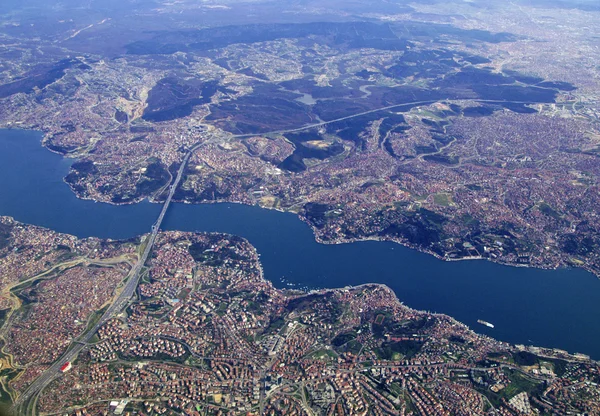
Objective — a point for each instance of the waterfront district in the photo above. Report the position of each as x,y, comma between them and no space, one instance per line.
205,333
464,129
460,133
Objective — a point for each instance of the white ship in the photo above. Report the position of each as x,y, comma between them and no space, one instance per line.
479,321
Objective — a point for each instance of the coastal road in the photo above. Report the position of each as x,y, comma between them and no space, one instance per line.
21,405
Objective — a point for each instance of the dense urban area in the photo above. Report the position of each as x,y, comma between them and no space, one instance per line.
463,129
207,334
460,133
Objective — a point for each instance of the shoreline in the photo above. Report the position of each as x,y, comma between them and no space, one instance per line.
318,239
152,199
315,237
559,353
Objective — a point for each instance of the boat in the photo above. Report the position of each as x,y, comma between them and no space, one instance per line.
482,322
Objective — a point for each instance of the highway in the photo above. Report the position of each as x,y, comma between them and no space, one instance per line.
376,110
25,403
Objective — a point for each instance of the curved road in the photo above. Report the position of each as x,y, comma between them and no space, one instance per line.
376,110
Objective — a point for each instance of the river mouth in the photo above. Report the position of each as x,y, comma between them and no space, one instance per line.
549,308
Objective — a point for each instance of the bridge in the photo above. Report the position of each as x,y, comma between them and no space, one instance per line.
26,402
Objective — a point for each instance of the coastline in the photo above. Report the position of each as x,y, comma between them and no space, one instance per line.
411,294
152,199
319,240
558,353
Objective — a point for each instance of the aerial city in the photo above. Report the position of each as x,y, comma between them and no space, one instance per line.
258,207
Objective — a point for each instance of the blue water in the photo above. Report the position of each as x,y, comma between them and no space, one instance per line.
551,308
